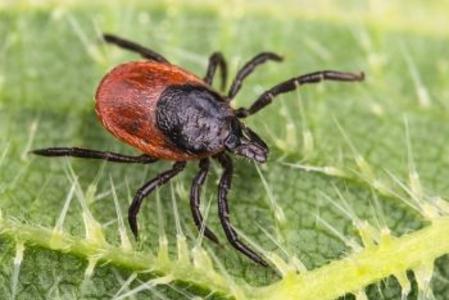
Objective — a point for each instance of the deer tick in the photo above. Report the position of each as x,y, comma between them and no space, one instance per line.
168,113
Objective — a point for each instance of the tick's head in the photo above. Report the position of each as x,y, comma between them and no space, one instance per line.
245,142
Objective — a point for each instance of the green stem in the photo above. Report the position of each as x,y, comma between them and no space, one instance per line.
391,256
195,272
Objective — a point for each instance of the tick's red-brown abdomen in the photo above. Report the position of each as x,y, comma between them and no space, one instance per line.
126,103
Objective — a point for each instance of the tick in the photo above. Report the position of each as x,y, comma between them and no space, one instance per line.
168,113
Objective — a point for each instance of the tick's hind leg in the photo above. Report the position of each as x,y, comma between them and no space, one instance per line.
128,45
216,60
294,83
94,154
223,210
195,195
146,189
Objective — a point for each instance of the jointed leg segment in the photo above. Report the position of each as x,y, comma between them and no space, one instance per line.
195,194
223,210
146,189
128,45
248,68
216,60
292,84
94,154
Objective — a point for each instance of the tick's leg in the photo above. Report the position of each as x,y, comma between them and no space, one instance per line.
195,194
146,189
292,84
128,45
248,68
223,210
216,60
94,154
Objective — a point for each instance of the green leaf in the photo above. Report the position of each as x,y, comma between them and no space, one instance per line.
351,201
